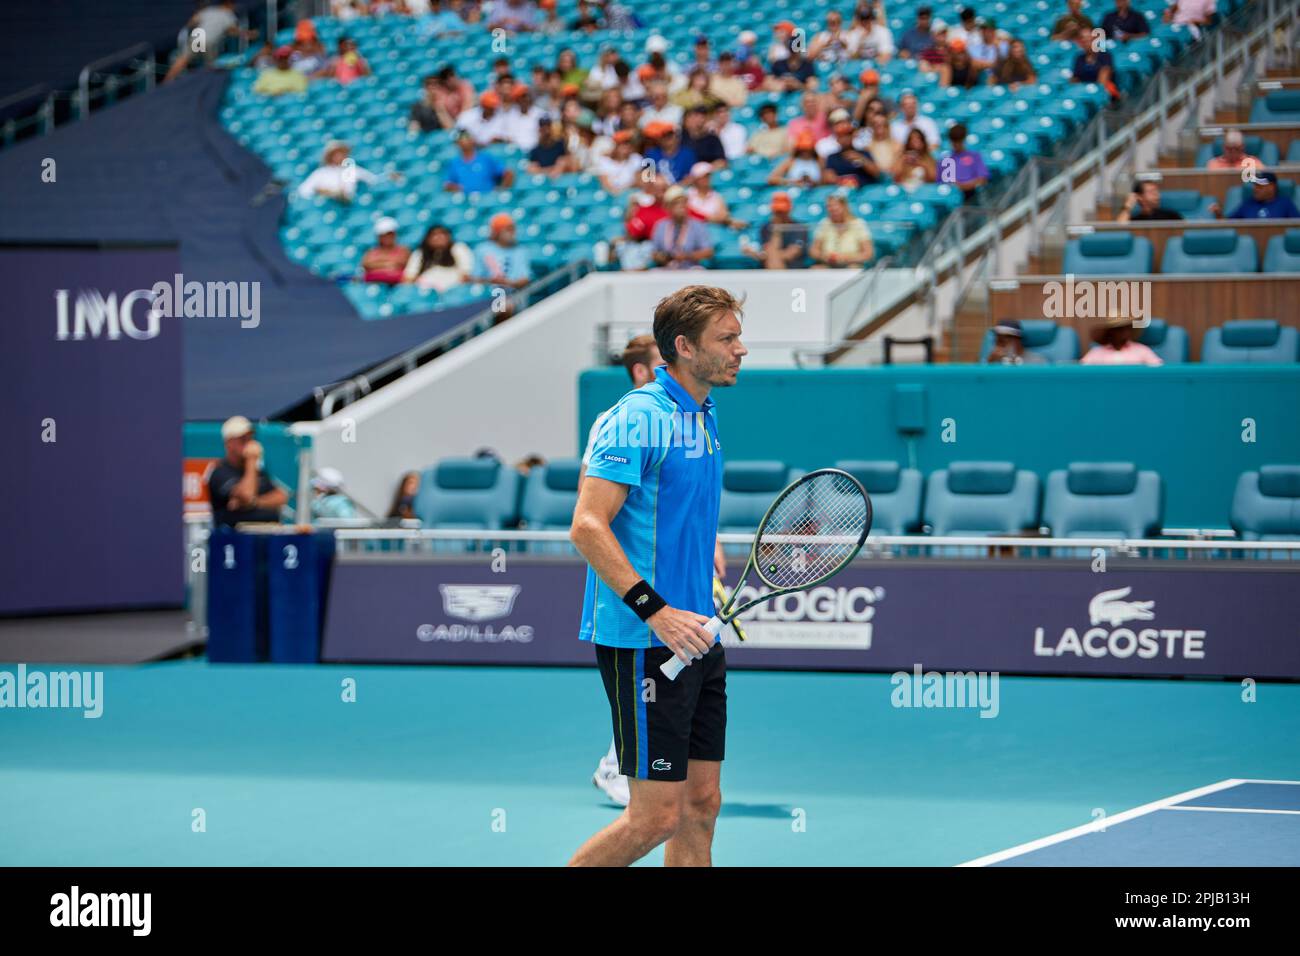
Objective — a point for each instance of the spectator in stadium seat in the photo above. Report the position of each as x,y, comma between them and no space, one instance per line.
282,78
782,36
336,178
1071,22
439,264
514,16
499,260
869,99
812,118
566,64
909,118
791,73
701,140
840,94
1114,345
842,240
439,20
727,86
1093,66
551,24
429,112
915,165
348,65
988,48
1192,14
403,506
1009,346
1143,204
1265,202
455,93
731,134
803,167
603,75
587,19
1124,23
703,53
309,53
549,157
680,242
486,123
959,70
872,40
1014,68
644,212
695,93
1234,154
967,27
918,39
705,203
475,170
963,167
659,109
386,260
618,171
783,243
935,55
671,157
580,139
239,487
849,166
523,118
834,44
882,146
328,498
771,139
748,65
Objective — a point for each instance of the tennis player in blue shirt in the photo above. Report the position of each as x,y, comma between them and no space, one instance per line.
647,521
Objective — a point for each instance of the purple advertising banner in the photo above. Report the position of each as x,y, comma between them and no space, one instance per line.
875,616
92,421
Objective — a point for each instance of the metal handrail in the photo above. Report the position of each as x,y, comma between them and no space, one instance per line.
867,280
333,397
93,67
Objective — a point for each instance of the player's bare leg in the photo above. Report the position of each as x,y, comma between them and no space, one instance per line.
652,816
692,844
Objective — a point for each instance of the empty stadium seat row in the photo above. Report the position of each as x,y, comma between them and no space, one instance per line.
1195,251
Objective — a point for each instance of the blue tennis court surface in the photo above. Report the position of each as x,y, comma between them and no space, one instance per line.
492,766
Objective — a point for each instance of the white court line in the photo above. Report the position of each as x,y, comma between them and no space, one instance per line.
1279,783
1102,823
1234,810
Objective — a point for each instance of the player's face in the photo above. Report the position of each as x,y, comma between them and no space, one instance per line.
717,358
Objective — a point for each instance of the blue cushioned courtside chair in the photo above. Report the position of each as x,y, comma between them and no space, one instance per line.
550,494
895,494
1170,342
1054,342
1210,250
1103,500
1283,252
981,498
473,494
1108,253
1250,341
1266,504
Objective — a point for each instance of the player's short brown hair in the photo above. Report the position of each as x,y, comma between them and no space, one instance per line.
637,352
686,312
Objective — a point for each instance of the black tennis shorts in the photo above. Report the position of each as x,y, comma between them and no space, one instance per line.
660,725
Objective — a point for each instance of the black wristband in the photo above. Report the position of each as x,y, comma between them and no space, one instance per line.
643,600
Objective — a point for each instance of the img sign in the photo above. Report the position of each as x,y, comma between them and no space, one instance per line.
96,315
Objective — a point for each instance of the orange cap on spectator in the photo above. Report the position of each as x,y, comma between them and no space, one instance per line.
305,30
958,44
519,91
569,89
785,26
623,136
656,128
645,71
805,140
489,98
869,77
500,221
780,202
546,4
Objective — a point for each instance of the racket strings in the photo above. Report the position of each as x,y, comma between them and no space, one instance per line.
811,532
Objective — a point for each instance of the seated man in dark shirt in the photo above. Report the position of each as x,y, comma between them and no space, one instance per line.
792,73
852,167
239,488
550,156
1124,23
427,113
696,137
1143,203
784,241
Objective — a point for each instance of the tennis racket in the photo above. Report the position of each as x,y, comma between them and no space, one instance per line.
720,599
813,529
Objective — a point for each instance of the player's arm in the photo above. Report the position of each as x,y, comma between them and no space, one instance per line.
599,500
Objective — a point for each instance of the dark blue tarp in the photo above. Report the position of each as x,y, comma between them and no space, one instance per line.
160,167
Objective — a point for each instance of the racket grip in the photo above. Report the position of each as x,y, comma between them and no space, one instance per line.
674,666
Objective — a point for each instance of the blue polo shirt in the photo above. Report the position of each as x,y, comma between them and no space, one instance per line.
477,175
664,446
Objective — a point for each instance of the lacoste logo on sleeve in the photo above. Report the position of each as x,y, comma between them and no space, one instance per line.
618,458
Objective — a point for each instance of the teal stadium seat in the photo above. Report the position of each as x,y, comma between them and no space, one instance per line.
1262,149
1250,341
1054,342
472,494
1108,253
1280,106
1210,250
550,494
1103,500
1282,254
1188,203
1266,504
1170,342
748,488
981,498
895,494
